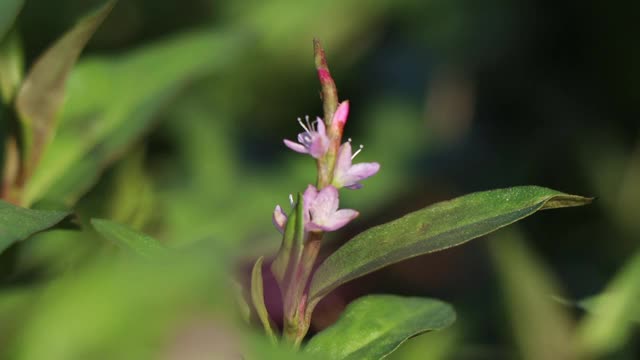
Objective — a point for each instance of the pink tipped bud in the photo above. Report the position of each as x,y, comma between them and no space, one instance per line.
329,91
340,117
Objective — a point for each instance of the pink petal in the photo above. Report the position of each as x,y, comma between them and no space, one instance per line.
325,204
343,163
339,219
309,195
308,198
296,147
319,146
279,219
322,130
341,114
361,171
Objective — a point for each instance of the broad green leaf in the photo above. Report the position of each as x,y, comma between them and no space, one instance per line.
434,228
110,104
128,238
18,223
374,326
615,314
542,327
257,298
42,92
11,65
9,10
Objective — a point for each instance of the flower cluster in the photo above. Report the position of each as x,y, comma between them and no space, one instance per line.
321,211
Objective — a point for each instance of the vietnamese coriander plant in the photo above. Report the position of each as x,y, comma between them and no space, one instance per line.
372,326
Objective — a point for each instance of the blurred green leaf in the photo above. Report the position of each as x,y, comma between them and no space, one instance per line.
591,305
257,297
14,307
613,315
42,92
131,202
18,223
110,104
9,10
128,238
374,326
176,308
434,228
542,327
11,65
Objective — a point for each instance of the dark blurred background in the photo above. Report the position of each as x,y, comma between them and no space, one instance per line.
450,97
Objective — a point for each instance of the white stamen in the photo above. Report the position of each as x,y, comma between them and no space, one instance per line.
291,200
309,124
349,139
357,151
304,127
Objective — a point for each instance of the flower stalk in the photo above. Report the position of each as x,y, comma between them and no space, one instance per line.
316,211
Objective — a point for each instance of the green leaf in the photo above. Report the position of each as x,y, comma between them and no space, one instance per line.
18,223
131,202
257,297
128,238
42,92
374,326
11,65
542,327
292,244
434,228
9,10
110,104
615,314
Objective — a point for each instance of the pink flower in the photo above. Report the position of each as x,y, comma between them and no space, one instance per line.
313,140
321,210
348,175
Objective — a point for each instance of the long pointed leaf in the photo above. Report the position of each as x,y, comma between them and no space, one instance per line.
257,298
109,105
434,228
42,92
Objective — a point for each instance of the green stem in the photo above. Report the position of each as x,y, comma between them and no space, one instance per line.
296,324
